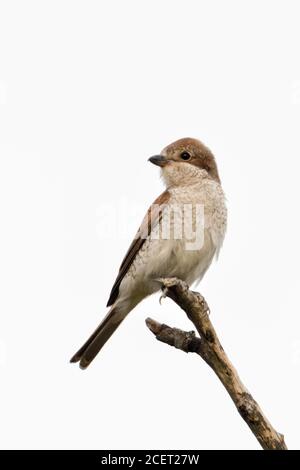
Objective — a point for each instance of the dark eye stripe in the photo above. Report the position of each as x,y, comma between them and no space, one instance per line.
185,156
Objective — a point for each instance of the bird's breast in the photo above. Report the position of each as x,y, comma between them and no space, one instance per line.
184,242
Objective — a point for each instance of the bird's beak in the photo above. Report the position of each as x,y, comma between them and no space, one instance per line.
158,160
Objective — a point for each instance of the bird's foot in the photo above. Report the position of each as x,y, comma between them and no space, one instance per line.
164,294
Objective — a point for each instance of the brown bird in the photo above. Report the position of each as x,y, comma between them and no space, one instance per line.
173,240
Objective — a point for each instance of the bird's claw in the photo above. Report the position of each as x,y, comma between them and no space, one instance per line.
164,294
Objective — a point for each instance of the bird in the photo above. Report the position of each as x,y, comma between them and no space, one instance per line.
190,173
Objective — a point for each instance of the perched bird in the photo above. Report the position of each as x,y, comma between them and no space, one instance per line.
190,173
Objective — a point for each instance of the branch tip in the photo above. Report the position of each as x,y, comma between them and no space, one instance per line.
153,325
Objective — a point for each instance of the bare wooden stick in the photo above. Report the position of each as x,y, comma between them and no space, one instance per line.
209,348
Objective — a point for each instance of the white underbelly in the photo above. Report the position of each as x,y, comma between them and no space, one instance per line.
159,257
167,258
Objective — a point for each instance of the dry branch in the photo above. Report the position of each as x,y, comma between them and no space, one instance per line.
209,348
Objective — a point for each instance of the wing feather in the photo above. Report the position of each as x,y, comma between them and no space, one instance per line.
151,219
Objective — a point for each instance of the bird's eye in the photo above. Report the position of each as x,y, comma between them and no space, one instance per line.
185,156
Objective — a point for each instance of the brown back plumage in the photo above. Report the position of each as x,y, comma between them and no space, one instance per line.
152,217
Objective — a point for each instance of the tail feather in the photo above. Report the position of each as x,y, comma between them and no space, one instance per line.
96,341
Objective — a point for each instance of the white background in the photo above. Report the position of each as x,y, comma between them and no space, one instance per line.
88,91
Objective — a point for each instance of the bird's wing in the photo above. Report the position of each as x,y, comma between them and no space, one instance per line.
151,219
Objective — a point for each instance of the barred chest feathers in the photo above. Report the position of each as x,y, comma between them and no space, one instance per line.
209,194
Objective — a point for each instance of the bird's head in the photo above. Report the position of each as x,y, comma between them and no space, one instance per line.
185,161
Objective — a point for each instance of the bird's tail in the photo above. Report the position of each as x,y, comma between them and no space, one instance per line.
96,341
